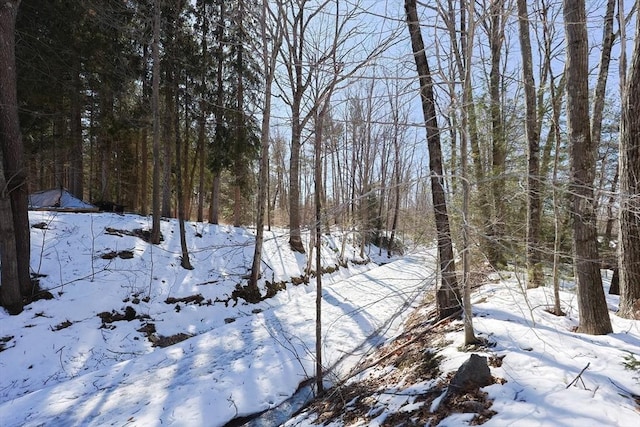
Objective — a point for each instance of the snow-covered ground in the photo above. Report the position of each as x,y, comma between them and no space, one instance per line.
63,364
548,376
86,357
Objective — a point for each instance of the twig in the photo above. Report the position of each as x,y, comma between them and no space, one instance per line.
624,390
578,377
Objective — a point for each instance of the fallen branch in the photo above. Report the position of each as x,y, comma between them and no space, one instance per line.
578,377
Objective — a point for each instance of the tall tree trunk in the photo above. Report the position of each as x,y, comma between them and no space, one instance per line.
318,240
594,315
600,91
321,113
556,97
241,130
184,261
498,148
144,146
296,77
167,136
214,207
204,53
535,277
76,173
15,171
630,190
155,108
601,85
268,62
201,161
448,295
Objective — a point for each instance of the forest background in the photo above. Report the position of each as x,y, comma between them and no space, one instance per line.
305,114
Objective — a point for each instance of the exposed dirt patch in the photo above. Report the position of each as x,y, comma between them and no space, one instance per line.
157,340
138,232
40,225
247,293
274,287
3,342
135,299
109,317
299,280
36,292
402,380
195,299
325,270
62,325
163,341
125,254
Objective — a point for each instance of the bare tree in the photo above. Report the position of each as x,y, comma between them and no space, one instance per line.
594,315
303,53
496,229
271,38
630,189
534,267
448,295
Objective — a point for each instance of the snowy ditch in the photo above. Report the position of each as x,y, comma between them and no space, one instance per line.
238,369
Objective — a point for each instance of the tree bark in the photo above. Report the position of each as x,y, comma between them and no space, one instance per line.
535,277
155,95
269,63
448,295
214,207
592,306
204,51
629,263
496,228
184,261
10,297
76,173
15,172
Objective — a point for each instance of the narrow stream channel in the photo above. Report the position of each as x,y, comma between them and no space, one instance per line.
278,415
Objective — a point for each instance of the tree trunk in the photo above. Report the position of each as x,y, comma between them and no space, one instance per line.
556,97
318,241
144,146
594,315
629,263
15,172
214,207
448,295
10,297
295,238
269,62
184,261
535,277
601,85
167,135
498,138
76,173
155,95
